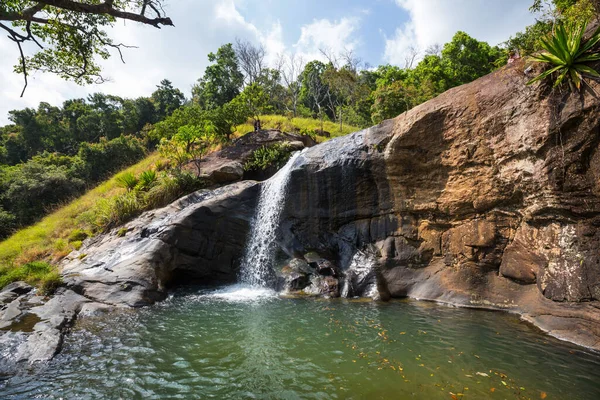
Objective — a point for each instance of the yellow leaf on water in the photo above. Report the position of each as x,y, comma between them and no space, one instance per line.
492,390
543,395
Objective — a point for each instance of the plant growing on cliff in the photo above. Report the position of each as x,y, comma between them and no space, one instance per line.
568,52
267,156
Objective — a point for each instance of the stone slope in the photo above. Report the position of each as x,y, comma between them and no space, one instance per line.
486,196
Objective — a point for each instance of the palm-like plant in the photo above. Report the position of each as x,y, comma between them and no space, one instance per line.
568,52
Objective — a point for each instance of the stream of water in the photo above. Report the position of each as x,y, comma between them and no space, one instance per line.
257,264
240,343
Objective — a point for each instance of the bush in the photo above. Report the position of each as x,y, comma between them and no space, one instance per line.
78,235
127,180
49,283
274,155
147,180
105,157
110,213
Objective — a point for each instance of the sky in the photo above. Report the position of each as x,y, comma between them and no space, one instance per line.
377,31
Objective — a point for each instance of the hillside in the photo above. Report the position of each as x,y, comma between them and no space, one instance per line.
63,231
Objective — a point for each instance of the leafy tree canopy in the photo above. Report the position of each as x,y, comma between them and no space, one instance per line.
71,34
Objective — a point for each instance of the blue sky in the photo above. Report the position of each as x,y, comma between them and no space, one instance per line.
378,31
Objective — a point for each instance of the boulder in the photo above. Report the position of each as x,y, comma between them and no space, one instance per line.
227,165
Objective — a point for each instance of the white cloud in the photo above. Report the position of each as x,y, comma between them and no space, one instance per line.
323,34
178,54
436,21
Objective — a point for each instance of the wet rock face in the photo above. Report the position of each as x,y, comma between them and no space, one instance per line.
198,238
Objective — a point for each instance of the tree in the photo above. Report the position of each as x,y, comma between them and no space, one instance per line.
251,60
390,101
222,80
191,142
255,100
467,59
292,68
167,99
314,90
70,34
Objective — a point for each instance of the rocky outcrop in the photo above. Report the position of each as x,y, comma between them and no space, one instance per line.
197,238
227,165
486,196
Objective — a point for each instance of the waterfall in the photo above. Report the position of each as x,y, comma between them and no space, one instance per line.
257,264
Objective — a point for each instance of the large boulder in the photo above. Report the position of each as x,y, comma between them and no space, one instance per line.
227,165
199,237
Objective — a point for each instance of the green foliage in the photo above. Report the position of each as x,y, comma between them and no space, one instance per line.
253,101
69,37
390,101
222,79
113,212
190,143
147,180
78,235
529,42
127,180
467,59
275,155
35,273
167,99
49,282
568,53
7,222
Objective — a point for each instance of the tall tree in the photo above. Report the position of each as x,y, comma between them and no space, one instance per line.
222,80
167,98
70,35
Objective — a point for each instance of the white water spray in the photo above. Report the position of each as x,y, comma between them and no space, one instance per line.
258,257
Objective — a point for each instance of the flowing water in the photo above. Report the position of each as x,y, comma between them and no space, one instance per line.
256,267
241,343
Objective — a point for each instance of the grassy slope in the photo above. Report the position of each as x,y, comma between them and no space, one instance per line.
298,125
48,240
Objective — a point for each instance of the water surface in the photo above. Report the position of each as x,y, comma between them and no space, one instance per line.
240,344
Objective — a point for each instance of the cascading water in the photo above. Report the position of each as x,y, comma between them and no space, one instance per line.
258,258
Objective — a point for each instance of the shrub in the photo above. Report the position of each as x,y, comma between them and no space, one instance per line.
146,180
78,235
127,180
33,273
116,211
49,283
266,156
568,52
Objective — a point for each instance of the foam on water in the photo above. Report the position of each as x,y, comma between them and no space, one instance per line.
240,293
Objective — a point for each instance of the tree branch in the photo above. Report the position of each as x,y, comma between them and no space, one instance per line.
107,8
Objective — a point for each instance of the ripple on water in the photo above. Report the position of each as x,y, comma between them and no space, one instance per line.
240,343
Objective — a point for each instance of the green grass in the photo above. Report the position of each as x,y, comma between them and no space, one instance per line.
59,233
297,125
30,253
37,273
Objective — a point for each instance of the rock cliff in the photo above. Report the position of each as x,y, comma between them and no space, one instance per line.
486,196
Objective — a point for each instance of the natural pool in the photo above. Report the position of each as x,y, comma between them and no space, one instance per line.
239,344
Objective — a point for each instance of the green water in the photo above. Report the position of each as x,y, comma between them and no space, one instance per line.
197,345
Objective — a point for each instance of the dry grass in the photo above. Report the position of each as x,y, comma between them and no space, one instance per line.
296,125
